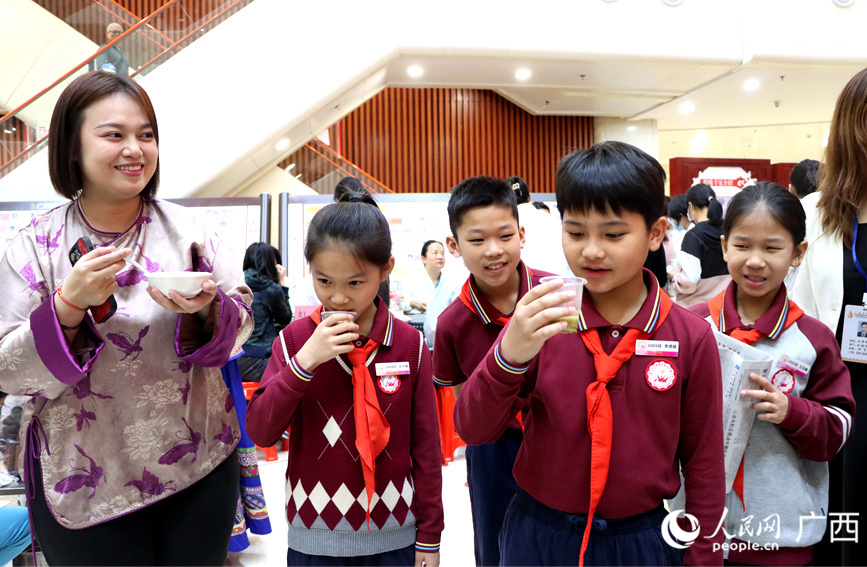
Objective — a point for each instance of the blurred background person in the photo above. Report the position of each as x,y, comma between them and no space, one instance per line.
700,273
271,310
112,59
677,212
804,178
423,282
543,235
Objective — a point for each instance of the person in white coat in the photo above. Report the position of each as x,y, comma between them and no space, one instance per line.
831,278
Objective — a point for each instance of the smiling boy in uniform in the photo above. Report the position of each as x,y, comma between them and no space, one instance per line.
483,216
616,410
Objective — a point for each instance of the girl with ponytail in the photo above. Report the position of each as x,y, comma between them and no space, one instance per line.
354,386
701,271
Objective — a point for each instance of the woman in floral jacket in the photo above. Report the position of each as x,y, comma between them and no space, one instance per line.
130,432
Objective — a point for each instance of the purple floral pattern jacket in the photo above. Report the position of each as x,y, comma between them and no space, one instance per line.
135,409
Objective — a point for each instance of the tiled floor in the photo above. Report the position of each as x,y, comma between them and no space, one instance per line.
457,541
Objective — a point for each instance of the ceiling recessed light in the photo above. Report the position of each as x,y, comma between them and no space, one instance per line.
282,144
631,128
687,107
751,84
290,167
522,74
414,71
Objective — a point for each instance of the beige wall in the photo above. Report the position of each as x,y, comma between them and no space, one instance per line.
783,143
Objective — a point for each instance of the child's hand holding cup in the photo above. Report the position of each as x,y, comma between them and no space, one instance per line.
341,317
570,283
344,319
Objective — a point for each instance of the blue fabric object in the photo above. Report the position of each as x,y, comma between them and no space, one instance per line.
252,511
14,532
492,486
535,534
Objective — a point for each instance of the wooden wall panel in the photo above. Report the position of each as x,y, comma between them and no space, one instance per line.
428,140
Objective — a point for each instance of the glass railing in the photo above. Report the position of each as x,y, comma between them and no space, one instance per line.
321,168
145,44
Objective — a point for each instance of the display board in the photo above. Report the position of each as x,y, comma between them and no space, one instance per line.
236,220
413,218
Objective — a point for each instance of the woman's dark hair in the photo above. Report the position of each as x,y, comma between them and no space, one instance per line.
677,208
777,202
611,175
355,224
350,185
702,197
427,244
260,257
64,139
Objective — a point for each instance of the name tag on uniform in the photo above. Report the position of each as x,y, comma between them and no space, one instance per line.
793,364
657,348
392,368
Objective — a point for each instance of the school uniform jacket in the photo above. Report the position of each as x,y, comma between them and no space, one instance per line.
465,335
326,499
654,431
785,468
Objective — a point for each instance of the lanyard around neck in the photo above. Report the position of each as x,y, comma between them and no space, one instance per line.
855,256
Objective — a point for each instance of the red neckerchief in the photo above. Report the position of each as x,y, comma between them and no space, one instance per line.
788,315
600,418
372,431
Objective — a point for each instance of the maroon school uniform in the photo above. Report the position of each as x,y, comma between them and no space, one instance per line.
659,424
465,335
784,471
466,329
326,497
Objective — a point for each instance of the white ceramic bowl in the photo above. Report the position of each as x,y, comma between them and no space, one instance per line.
188,284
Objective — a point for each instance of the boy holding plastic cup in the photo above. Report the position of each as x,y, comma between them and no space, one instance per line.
607,398
483,216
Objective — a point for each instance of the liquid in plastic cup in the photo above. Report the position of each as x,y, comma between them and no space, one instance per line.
569,283
352,315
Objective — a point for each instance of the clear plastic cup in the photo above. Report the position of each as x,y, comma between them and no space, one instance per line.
569,283
352,315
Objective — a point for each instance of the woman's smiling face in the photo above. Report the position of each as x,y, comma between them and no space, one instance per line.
118,150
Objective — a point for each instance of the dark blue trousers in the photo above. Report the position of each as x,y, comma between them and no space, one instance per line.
492,486
398,558
535,534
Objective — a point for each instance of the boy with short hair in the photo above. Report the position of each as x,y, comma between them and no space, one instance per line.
483,217
617,409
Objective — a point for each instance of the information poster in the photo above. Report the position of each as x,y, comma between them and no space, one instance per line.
237,225
413,218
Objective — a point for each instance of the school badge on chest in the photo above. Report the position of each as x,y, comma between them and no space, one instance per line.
661,375
783,380
389,384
